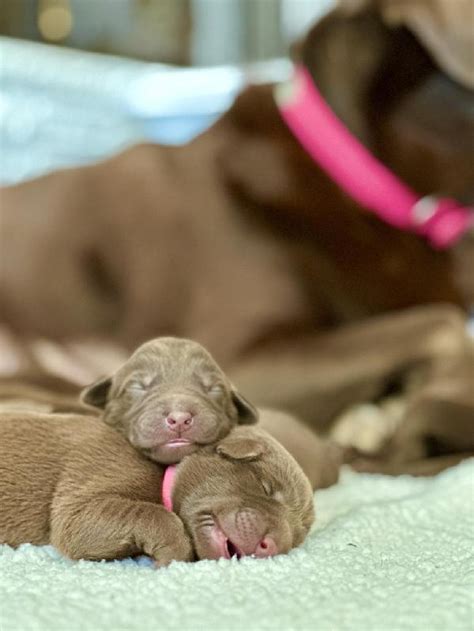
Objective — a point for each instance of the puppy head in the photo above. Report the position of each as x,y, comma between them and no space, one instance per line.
169,399
246,496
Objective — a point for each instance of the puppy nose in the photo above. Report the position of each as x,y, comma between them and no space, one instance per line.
179,420
266,548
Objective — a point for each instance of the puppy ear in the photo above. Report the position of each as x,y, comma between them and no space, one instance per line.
96,394
248,414
241,448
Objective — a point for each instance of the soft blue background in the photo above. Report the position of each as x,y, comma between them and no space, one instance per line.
62,107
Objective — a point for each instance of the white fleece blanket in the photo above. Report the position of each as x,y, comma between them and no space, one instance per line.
387,554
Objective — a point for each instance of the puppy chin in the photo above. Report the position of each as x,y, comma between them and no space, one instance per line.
171,452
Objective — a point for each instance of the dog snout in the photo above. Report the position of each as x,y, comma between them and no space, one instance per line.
246,529
179,421
267,547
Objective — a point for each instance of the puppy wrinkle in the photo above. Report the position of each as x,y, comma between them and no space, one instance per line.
291,520
177,373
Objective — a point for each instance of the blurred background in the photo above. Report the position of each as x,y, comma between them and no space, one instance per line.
80,79
193,32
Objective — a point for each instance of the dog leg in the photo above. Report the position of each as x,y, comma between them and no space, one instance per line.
368,426
423,352
112,527
423,467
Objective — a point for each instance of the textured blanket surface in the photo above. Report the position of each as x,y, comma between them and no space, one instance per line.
387,554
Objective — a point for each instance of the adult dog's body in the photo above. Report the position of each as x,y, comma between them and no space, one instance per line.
240,241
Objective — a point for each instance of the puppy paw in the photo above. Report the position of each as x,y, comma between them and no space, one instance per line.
175,545
179,550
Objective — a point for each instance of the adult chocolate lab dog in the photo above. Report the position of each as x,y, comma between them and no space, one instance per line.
242,241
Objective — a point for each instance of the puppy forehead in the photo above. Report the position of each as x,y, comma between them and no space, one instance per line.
231,479
247,478
272,466
173,357
278,466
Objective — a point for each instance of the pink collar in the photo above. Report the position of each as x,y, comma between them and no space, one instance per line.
351,165
167,487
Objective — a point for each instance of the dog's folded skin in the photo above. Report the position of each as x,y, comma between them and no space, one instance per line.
169,399
74,482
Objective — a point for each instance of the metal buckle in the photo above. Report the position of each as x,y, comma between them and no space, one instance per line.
424,209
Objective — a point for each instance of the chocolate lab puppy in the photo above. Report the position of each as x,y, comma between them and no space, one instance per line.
241,241
169,399
175,370
74,482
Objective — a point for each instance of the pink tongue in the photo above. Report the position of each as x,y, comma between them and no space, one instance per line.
221,542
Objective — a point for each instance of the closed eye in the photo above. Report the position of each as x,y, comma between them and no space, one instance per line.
136,388
215,390
140,383
272,492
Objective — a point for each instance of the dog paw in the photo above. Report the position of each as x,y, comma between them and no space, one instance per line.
177,551
175,545
367,426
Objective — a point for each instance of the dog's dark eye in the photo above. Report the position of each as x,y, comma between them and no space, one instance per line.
267,487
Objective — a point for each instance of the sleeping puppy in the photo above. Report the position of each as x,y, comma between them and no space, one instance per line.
169,399
74,482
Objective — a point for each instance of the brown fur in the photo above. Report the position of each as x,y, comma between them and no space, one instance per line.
74,482
166,377
424,355
320,459
240,241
